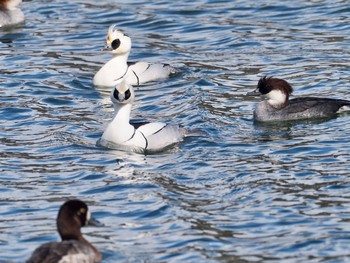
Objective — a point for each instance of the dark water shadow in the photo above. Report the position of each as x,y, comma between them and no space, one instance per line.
270,131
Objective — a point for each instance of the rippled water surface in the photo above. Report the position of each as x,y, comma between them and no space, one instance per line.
243,193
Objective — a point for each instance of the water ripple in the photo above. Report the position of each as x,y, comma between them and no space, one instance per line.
243,193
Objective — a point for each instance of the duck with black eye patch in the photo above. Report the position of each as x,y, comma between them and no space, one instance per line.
278,106
72,215
118,68
141,137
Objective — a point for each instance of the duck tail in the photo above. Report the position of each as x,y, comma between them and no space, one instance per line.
344,106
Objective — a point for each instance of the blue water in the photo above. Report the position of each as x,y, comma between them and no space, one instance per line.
243,193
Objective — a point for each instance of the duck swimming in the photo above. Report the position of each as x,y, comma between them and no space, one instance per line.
119,68
140,137
72,215
278,106
10,14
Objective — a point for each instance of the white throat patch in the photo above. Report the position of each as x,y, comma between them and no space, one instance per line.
276,97
11,5
88,215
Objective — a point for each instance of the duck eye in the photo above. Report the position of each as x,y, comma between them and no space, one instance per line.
115,43
268,88
82,210
127,94
264,88
116,94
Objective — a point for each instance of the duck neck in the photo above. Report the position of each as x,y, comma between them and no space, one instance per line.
122,114
68,232
113,71
117,65
277,99
118,60
123,56
119,130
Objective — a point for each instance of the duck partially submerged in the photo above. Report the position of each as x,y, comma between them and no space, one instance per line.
118,68
72,215
140,137
278,106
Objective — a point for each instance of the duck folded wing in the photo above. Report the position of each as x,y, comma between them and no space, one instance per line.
149,129
320,105
142,72
165,137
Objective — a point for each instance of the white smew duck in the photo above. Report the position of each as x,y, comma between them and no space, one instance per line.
119,68
10,14
140,137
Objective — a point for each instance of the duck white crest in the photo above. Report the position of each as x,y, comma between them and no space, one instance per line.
140,137
118,68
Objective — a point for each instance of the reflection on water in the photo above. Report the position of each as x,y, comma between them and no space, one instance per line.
272,131
243,192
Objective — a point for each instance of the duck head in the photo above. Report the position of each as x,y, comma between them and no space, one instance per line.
276,90
73,215
122,93
117,42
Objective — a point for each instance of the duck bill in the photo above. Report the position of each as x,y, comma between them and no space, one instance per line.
107,48
254,93
94,222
